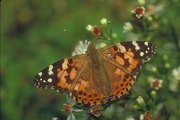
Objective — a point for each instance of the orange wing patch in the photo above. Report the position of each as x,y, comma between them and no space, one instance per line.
84,93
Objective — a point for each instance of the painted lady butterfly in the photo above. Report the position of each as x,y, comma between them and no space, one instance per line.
98,76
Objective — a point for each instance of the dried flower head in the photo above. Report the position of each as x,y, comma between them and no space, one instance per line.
147,116
68,108
156,83
97,31
139,12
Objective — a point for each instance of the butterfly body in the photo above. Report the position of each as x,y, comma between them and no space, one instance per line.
98,76
96,65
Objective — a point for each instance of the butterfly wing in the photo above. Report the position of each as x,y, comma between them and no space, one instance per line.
72,76
57,76
84,90
122,62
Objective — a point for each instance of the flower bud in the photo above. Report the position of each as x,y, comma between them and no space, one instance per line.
150,19
154,69
127,27
89,27
104,21
141,2
140,101
136,107
167,65
153,94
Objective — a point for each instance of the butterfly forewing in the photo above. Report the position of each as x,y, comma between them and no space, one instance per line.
129,56
59,75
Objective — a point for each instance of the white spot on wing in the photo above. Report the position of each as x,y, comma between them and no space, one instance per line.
141,53
135,45
40,74
146,43
49,80
50,72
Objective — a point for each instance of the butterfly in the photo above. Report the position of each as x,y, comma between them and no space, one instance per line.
98,76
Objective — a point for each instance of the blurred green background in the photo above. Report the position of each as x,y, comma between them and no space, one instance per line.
32,37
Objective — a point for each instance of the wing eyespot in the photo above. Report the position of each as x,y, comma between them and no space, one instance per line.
114,49
71,62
